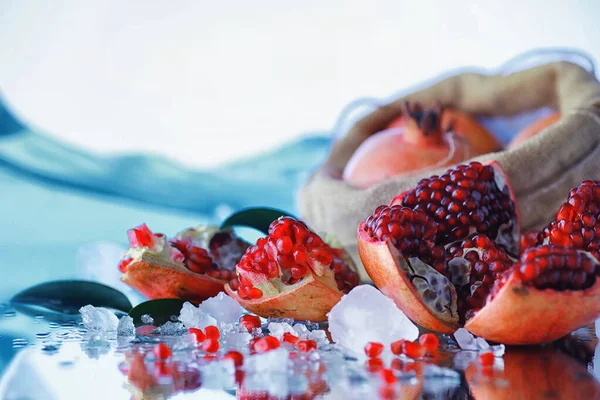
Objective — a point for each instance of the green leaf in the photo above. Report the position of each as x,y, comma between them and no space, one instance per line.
161,310
258,218
61,300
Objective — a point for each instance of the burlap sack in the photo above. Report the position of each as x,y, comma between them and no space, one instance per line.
541,171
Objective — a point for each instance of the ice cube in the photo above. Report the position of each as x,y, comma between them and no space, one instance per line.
126,326
98,319
482,344
301,331
319,336
237,340
465,339
218,374
170,329
366,315
222,308
274,361
462,359
277,329
498,350
147,319
193,317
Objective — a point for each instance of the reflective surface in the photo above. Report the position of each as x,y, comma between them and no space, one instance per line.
61,360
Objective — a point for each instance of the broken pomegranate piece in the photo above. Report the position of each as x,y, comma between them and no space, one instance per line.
193,266
473,198
457,276
292,273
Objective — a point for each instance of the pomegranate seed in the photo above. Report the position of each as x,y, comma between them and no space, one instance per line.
250,322
429,341
266,343
397,347
210,345
212,332
307,345
236,356
140,236
198,334
373,349
486,359
388,376
124,263
374,364
284,245
161,351
413,350
289,338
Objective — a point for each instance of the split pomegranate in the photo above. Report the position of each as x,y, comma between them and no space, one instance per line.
420,138
532,130
193,266
292,273
445,270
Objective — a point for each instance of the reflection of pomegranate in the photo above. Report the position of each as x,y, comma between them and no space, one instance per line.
292,273
532,130
534,374
419,139
445,252
193,266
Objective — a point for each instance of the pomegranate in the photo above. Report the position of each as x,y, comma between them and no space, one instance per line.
193,266
292,273
532,130
419,139
458,266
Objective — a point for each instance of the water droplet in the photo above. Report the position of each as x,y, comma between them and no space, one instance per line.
39,317
9,314
18,343
42,335
67,325
53,325
51,348
66,364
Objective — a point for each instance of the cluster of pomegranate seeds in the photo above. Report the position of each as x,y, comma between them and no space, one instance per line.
575,222
485,261
265,344
559,268
373,349
141,236
290,252
198,260
411,232
250,322
161,351
463,199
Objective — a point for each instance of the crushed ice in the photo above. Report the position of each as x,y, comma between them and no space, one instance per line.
98,319
126,326
193,317
222,308
366,315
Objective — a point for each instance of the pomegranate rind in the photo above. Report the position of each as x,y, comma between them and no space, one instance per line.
520,314
381,261
310,299
157,278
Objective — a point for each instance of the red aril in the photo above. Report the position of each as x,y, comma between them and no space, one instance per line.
200,336
429,341
486,359
161,351
212,332
388,376
306,345
265,344
210,345
396,347
292,273
236,356
373,349
290,338
250,322
194,266
374,365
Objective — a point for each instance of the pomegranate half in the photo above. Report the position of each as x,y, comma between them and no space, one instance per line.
292,273
193,266
420,138
446,253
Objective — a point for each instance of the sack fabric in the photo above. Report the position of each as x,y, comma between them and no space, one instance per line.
541,171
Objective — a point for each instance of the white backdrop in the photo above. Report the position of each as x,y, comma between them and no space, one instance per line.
206,82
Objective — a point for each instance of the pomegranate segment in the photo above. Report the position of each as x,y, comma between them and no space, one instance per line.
193,266
292,273
473,198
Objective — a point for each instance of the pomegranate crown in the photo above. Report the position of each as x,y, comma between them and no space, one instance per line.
427,120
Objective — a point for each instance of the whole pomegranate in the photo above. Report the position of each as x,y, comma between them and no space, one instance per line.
447,253
292,273
420,138
532,130
194,266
